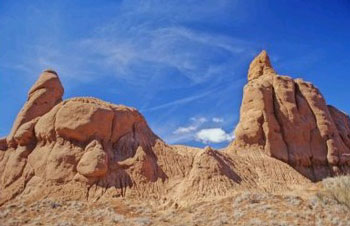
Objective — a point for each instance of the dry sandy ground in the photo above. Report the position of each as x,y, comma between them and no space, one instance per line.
245,208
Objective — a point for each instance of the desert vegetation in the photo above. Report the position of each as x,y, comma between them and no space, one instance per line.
338,189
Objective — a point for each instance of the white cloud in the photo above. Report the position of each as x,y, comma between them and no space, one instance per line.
198,120
217,120
196,123
213,135
197,131
182,130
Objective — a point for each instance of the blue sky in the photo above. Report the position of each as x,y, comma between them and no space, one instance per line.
183,64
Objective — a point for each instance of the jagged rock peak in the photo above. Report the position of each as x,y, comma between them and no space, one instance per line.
259,66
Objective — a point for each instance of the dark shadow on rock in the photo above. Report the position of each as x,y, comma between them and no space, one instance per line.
224,164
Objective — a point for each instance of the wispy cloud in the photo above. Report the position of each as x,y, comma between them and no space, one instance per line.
188,52
196,123
184,130
179,101
217,119
163,56
141,42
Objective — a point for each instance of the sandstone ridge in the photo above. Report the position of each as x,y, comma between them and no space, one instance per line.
289,119
85,148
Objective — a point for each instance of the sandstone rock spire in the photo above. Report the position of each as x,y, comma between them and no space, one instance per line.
259,66
290,120
42,97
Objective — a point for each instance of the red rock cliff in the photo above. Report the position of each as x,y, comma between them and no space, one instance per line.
289,119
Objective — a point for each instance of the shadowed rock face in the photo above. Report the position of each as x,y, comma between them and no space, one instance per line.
290,120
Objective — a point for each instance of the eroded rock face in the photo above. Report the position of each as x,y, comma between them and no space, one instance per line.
80,139
85,148
290,120
42,97
81,121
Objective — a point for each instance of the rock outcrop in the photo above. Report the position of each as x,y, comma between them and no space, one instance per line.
85,148
289,120
61,155
79,139
42,97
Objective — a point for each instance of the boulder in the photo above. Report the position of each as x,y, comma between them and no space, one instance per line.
94,162
84,121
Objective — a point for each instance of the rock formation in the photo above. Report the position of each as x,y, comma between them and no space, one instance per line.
42,97
85,148
290,120
92,162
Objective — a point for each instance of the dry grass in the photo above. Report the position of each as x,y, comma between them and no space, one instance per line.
338,188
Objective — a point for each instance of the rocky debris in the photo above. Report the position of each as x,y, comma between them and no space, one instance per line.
290,120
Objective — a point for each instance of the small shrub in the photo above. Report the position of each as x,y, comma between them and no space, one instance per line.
338,188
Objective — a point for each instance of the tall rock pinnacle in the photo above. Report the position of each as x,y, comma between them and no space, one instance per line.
259,66
42,97
290,120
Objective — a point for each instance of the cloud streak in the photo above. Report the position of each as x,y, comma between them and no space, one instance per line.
187,52
179,101
217,120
